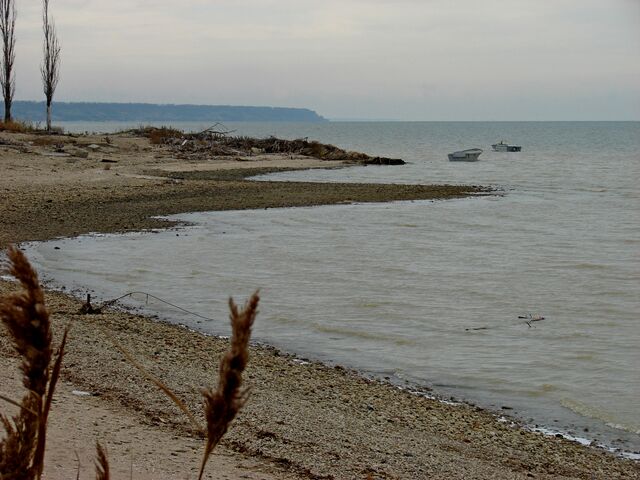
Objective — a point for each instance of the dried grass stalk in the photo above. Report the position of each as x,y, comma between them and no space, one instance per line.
16,404
153,379
38,459
222,405
102,463
26,318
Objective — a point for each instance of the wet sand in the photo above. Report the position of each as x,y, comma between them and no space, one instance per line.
303,419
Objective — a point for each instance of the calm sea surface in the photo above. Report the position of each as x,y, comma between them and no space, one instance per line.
399,289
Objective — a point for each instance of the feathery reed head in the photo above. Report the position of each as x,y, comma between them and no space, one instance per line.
102,463
222,405
26,318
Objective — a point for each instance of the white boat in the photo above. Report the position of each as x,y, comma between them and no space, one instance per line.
469,155
505,147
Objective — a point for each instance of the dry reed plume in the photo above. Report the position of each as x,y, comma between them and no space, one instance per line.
153,379
222,405
102,463
26,319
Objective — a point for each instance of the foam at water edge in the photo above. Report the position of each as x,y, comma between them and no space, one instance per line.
584,441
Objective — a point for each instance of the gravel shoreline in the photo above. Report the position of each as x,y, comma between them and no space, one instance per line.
303,419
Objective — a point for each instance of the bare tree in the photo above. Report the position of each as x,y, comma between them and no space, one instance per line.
50,68
7,76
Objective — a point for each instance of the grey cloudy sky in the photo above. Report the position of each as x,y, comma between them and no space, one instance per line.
378,59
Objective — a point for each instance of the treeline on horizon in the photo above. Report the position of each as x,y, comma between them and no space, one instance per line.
147,112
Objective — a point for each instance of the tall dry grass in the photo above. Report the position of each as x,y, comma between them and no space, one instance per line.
157,135
27,321
102,463
17,126
223,403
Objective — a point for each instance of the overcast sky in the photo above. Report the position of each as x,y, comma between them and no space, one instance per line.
365,59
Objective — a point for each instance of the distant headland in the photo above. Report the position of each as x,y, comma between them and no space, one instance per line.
148,112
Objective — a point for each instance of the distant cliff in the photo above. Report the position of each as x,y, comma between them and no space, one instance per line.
147,112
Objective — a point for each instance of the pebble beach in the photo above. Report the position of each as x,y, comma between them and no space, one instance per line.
303,419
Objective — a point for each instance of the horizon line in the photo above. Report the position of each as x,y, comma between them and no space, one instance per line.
326,118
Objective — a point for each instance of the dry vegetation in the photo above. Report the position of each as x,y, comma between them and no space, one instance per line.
14,126
19,126
213,143
27,322
161,135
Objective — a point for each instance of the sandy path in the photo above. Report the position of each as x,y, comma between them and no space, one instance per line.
133,447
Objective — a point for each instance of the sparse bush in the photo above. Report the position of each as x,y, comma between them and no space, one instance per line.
53,130
157,135
317,149
16,126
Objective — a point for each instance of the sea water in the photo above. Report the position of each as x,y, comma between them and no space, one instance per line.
427,293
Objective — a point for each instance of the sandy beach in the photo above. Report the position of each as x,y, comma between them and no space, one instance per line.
303,419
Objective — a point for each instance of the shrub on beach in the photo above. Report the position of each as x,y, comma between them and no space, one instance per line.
17,126
158,135
20,126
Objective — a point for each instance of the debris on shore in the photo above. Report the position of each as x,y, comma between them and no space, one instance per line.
215,143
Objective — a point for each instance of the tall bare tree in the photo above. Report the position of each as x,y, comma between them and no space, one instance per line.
50,68
7,76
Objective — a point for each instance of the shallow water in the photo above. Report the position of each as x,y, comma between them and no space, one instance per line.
398,289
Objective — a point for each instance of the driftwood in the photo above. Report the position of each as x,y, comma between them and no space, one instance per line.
528,320
216,141
212,130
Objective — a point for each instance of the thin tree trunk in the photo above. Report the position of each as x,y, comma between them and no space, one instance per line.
7,109
50,68
8,37
48,116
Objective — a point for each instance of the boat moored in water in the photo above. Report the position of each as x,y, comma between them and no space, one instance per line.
505,147
469,155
